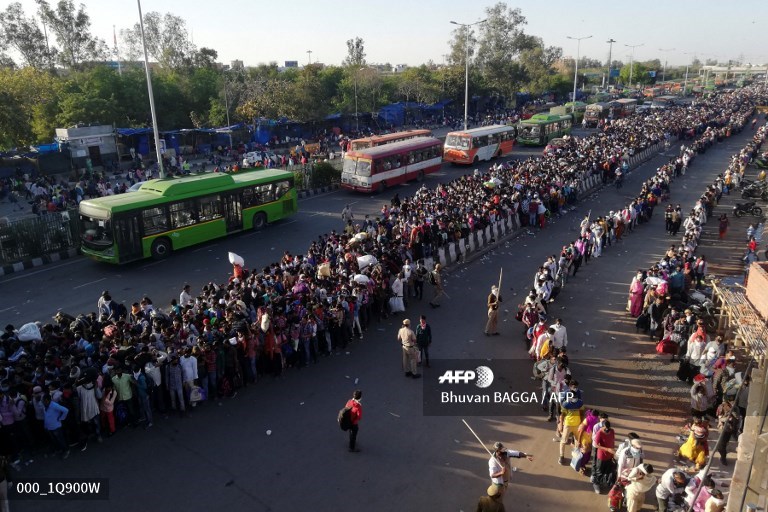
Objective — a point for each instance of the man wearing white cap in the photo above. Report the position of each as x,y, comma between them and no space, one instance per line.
493,312
629,455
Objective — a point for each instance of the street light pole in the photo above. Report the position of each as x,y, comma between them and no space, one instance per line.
226,106
151,96
664,69
357,118
685,82
309,56
576,69
610,63
467,26
632,61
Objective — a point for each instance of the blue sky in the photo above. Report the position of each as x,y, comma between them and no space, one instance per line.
414,31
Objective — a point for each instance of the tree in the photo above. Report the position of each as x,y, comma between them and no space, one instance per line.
27,96
462,38
205,58
355,53
24,35
639,74
167,39
72,30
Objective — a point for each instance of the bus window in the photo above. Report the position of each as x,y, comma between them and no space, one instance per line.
349,165
155,220
183,214
210,208
250,198
97,230
282,188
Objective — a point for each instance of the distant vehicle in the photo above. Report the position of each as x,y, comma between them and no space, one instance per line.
554,145
375,169
257,157
663,102
379,140
653,92
594,113
532,110
575,109
472,146
542,128
173,213
627,107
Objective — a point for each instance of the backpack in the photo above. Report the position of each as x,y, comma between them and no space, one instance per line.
345,418
431,278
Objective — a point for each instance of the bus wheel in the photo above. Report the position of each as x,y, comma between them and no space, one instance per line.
161,248
474,162
382,187
259,221
420,176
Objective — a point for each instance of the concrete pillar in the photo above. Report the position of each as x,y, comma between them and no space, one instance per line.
463,247
488,234
472,244
452,252
441,256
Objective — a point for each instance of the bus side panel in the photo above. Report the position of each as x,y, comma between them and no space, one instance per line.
189,236
506,147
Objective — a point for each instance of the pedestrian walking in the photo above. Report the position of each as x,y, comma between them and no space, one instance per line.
423,340
355,415
407,339
346,215
723,225
491,326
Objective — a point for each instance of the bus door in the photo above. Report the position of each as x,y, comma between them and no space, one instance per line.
128,237
233,212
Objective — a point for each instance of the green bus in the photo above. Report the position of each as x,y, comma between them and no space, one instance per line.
576,109
541,128
164,215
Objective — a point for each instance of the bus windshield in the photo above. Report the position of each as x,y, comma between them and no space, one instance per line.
457,141
97,232
530,131
358,167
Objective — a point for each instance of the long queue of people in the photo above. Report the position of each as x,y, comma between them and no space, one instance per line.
622,470
81,377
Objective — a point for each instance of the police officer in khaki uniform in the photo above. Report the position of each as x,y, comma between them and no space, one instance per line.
491,328
407,339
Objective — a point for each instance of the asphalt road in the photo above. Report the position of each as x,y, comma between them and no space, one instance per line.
222,457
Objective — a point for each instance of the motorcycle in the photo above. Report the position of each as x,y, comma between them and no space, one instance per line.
747,208
755,190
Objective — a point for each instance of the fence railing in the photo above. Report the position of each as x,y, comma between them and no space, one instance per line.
31,238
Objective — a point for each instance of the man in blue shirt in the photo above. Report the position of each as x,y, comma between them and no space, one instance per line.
55,414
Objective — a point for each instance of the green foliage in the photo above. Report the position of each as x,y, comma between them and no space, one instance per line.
639,73
324,174
72,28
355,52
24,35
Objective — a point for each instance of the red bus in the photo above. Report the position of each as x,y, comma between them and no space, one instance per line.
375,169
471,146
379,140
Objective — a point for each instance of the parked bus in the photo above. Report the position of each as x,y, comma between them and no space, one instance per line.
378,140
663,102
472,146
169,214
595,113
576,109
627,106
653,92
375,169
541,128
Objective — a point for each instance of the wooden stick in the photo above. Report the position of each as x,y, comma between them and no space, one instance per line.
476,437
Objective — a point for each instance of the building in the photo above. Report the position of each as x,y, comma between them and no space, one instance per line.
89,146
236,64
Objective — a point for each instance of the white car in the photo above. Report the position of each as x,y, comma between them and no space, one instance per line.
257,156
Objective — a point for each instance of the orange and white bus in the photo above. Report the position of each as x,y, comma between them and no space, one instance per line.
375,169
471,146
379,140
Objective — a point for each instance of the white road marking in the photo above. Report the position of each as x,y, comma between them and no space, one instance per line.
46,269
7,309
90,283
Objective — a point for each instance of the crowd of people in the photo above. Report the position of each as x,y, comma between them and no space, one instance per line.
654,295
80,377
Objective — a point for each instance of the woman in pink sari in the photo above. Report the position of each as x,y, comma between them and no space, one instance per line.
636,295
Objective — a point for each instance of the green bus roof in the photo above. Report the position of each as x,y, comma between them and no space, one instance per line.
160,191
544,118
